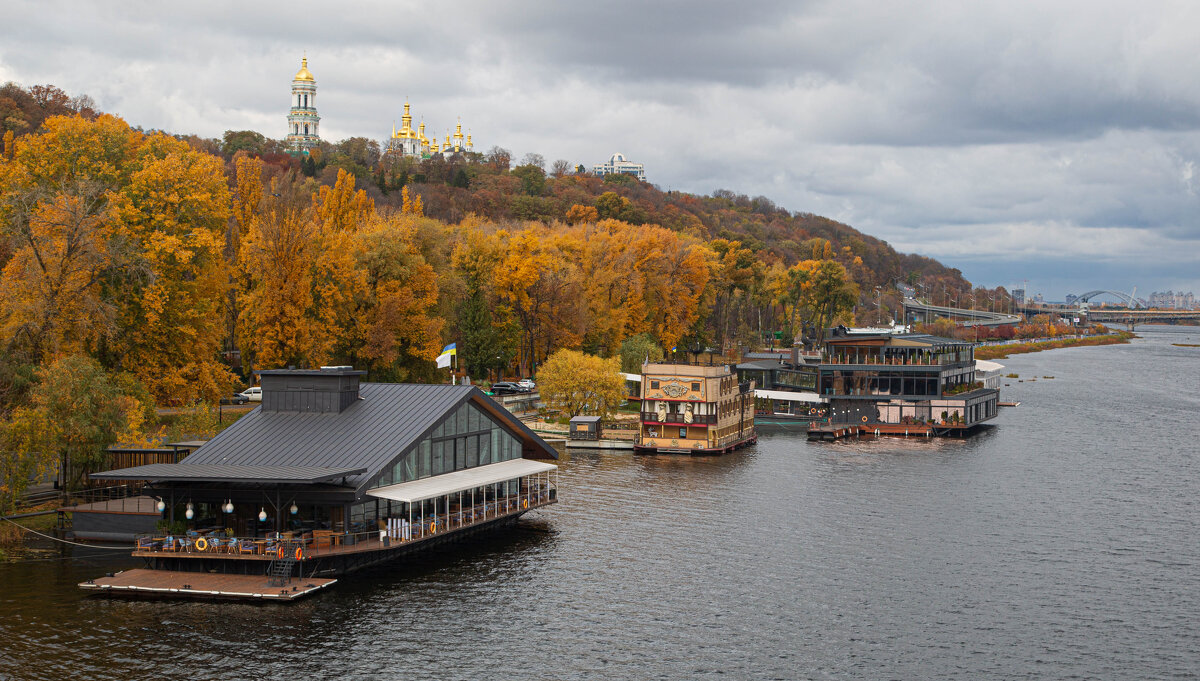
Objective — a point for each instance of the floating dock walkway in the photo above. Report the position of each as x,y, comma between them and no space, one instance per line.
172,584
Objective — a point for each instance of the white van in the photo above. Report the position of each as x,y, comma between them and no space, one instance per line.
253,394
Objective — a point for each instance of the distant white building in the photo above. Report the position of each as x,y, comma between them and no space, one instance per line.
618,164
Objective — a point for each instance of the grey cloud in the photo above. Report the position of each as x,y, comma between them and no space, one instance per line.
975,132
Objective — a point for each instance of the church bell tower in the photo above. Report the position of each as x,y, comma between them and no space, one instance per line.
303,118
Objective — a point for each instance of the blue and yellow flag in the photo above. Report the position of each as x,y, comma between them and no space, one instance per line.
443,360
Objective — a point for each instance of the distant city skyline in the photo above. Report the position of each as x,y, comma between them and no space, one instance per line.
1052,143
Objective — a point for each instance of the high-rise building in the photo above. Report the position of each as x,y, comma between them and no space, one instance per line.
303,119
618,164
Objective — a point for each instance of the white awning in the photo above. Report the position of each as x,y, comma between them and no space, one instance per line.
458,481
787,395
632,377
985,365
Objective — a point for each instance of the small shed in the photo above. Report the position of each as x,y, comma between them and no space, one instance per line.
585,428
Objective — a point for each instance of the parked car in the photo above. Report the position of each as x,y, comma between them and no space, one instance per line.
508,388
236,398
527,383
254,394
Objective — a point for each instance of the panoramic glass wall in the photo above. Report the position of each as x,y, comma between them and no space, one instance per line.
465,439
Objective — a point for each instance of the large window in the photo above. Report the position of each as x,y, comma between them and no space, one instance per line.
465,439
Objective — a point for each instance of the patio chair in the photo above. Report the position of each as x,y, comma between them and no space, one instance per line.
247,547
170,544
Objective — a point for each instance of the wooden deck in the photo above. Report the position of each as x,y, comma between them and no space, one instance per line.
844,430
332,546
171,584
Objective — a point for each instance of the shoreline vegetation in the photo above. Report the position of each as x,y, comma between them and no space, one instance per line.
1002,351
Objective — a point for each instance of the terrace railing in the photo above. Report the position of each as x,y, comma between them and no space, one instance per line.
323,542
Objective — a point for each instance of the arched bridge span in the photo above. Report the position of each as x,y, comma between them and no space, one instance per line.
1125,298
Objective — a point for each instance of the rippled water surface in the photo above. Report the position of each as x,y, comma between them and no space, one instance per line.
1060,543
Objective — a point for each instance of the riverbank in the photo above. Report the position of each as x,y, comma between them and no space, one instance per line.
1002,351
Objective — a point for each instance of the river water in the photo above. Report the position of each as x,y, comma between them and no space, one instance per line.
1060,543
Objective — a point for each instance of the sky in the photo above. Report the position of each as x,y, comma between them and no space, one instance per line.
1051,145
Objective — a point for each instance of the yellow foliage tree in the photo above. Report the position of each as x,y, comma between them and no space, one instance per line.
539,281
579,213
175,208
411,204
397,324
277,295
577,383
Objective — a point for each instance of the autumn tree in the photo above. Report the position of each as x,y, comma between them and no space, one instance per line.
175,209
533,179
411,203
577,383
25,454
79,412
561,168
540,284
397,329
277,275
637,350
486,338
581,214
817,292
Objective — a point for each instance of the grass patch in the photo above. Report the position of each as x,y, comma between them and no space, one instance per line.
1003,351
1186,345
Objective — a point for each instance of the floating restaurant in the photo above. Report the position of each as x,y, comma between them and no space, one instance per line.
694,409
330,475
902,384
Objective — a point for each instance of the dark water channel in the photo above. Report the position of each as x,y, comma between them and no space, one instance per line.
1061,543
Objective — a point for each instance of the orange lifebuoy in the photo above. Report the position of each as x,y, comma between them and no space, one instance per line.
525,504
299,553
432,527
280,553
201,544
864,419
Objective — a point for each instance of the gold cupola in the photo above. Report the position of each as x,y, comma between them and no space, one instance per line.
304,73
406,130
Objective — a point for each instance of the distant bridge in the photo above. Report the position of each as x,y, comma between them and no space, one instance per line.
1133,317
915,310
1129,300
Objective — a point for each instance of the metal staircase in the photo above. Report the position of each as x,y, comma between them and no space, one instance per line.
279,572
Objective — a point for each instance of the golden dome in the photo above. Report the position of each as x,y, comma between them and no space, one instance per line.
406,131
304,73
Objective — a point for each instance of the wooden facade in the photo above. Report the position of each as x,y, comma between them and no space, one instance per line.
694,409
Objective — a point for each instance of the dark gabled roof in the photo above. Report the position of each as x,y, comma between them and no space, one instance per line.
899,339
760,365
190,472
368,435
777,354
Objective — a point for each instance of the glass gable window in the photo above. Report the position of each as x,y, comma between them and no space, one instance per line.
465,439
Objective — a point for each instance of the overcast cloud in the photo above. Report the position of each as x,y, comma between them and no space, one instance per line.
1016,141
